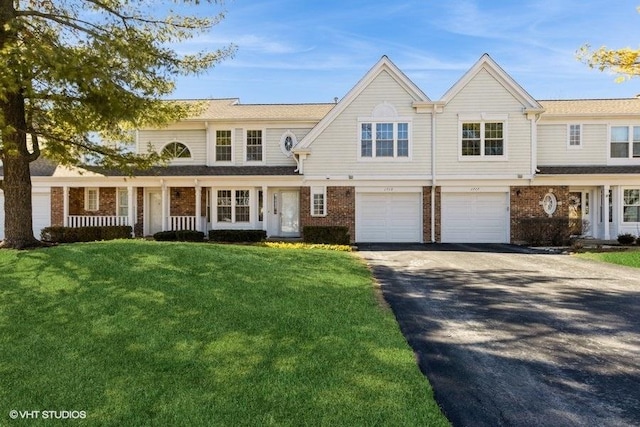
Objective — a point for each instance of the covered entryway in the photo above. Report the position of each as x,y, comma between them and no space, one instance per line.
389,217
477,217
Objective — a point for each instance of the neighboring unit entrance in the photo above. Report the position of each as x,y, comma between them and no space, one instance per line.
475,218
389,217
154,211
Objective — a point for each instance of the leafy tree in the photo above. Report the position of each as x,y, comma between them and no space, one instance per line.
76,75
624,61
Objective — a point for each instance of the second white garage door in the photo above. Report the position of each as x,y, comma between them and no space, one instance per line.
475,218
389,217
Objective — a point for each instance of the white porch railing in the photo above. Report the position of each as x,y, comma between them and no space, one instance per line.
96,221
182,223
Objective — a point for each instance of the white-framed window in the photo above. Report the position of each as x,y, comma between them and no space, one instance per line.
254,147
122,200
91,199
223,145
177,150
384,139
260,206
574,136
631,205
233,206
624,142
318,201
483,139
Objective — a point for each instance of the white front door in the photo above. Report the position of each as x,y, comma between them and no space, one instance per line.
154,211
290,213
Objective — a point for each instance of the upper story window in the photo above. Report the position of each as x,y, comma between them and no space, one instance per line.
483,137
288,140
254,147
574,136
223,146
177,150
387,139
625,142
384,135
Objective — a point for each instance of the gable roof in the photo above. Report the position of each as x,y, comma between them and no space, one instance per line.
487,63
384,64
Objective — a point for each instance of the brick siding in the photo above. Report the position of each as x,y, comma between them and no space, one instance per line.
525,203
341,209
57,206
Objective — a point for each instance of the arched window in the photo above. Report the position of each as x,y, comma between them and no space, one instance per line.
177,150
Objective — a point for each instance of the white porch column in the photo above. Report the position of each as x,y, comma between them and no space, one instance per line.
265,208
605,211
165,205
198,206
131,208
65,206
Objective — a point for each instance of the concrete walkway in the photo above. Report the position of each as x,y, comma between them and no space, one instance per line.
512,337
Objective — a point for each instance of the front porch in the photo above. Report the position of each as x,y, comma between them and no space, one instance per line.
164,207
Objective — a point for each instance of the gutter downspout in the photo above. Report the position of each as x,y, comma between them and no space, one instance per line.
433,175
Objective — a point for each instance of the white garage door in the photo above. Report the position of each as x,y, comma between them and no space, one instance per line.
388,217
41,213
475,218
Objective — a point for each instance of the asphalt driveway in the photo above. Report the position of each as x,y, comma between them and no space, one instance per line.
511,337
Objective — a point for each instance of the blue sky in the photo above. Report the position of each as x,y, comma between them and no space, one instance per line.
292,51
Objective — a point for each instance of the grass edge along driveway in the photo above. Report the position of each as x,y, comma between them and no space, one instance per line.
148,333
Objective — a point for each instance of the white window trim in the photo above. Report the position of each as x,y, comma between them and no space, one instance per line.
622,160
118,205
314,191
482,119
622,205
580,145
252,202
87,190
215,146
394,121
244,146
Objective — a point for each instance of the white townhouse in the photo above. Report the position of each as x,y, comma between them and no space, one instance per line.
386,161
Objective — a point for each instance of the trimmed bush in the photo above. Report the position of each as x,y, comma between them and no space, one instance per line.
237,236
626,239
84,234
328,235
545,231
179,236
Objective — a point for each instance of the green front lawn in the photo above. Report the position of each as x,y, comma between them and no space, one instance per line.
142,333
629,258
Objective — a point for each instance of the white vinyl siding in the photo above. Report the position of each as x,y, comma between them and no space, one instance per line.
336,151
389,217
483,98
194,139
554,151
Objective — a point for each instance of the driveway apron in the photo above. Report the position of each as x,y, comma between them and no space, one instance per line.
508,336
